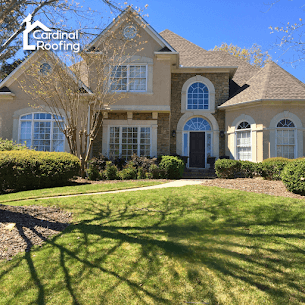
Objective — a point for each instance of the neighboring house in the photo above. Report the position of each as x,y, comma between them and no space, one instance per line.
181,99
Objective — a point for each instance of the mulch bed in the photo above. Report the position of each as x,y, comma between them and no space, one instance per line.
23,227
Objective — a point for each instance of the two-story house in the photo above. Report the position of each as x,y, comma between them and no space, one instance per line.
180,99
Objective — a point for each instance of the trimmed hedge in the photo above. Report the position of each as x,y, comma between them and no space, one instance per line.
293,176
271,168
227,168
27,169
173,167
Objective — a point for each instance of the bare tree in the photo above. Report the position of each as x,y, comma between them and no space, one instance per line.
291,37
56,12
65,91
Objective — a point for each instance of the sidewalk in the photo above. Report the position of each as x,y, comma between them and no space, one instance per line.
177,183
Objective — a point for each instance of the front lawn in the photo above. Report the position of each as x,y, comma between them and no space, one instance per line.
76,189
194,244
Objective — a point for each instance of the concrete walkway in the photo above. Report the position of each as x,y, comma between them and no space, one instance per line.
177,183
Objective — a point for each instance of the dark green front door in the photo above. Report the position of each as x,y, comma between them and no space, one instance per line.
197,149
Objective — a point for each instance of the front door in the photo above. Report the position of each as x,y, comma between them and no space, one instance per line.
197,149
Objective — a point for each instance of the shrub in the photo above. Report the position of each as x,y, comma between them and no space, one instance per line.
141,173
142,162
227,168
27,169
128,173
173,167
247,169
10,145
156,173
293,176
111,171
271,168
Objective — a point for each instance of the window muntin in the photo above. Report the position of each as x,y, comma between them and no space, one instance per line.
285,139
197,124
125,141
129,78
243,141
41,132
198,96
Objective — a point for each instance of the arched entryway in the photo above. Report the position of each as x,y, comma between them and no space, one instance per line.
197,141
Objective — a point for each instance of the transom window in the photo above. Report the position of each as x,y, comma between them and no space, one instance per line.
129,78
42,132
199,124
243,141
198,96
125,141
285,138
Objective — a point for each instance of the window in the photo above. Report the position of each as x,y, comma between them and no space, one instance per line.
42,132
45,68
285,138
198,96
243,141
129,78
197,124
125,141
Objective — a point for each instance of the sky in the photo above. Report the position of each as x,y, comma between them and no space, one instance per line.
240,22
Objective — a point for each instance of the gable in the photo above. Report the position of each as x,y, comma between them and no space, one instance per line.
152,40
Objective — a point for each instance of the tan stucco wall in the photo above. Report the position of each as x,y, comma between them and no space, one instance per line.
157,96
262,137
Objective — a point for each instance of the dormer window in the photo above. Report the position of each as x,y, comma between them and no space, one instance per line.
131,78
198,96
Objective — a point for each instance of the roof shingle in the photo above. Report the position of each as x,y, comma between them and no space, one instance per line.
192,55
271,82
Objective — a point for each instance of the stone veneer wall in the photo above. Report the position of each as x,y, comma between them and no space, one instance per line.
163,142
221,85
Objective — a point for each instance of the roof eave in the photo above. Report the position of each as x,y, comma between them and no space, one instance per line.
261,100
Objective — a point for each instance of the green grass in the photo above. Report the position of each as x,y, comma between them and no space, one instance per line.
76,189
168,246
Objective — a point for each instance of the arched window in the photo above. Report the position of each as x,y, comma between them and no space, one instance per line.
197,124
243,141
42,132
285,139
198,96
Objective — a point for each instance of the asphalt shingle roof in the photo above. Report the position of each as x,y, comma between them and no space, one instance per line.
271,82
192,55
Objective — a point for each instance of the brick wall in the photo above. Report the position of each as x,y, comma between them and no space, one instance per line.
163,134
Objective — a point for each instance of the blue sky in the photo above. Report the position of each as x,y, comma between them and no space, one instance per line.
240,22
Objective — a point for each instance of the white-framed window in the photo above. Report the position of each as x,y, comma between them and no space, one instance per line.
243,141
198,96
129,78
124,141
42,132
285,139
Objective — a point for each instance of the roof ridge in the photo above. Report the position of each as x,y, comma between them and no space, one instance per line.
267,79
171,32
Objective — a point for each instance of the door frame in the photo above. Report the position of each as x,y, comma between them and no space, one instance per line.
205,148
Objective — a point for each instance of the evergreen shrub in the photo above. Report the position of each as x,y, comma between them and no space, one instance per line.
28,169
293,176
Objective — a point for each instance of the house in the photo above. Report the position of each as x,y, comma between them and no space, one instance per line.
180,99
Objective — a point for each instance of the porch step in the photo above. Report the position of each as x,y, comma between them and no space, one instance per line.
199,174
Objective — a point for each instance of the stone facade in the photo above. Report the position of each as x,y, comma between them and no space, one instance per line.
221,85
163,134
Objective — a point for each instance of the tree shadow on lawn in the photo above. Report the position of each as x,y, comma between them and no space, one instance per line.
177,243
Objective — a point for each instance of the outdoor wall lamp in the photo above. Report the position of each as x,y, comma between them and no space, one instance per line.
174,133
222,133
